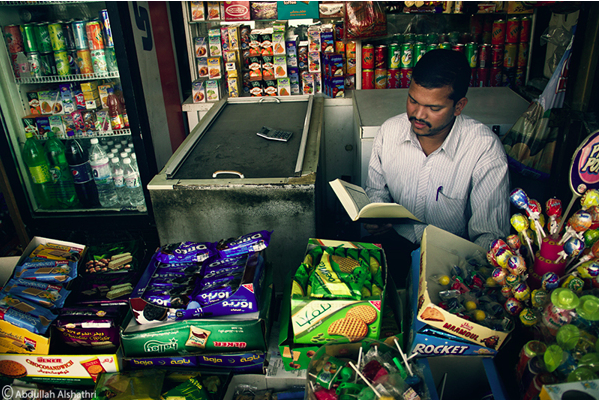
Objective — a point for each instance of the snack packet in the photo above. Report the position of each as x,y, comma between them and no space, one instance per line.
326,283
185,252
96,327
25,314
250,243
45,294
52,271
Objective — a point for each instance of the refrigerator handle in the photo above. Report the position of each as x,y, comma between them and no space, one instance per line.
263,99
214,175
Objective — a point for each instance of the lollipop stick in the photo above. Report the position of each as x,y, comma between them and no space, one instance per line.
405,360
359,363
565,215
351,364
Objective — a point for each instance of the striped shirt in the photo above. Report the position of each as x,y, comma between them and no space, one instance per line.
462,187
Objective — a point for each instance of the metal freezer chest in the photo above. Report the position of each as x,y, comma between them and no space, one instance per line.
225,181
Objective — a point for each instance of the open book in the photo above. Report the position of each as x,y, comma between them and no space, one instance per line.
359,207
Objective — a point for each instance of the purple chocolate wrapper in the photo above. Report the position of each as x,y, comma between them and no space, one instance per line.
250,243
186,269
166,300
209,284
185,252
216,267
211,296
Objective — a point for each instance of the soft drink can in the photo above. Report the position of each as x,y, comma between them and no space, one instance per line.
510,55
444,37
99,61
445,46
405,77
528,351
432,38
80,35
93,29
525,23
406,55
14,39
522,55
84,61
459,47
393,78
57,37
15,64
495,78
535,387
111,60
512,30
484,56
408,38
48,64
509,77
28,35
35,67
380,78
42,36
394,56
476,24
62,63
380,57
367,79
498,32
434,46
472,54
419,51
420,37
482,79
520,76
350,50
497,55
69,36
454,37
72,56
106,28
368,57
533,367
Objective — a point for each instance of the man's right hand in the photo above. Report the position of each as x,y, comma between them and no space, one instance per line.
374,229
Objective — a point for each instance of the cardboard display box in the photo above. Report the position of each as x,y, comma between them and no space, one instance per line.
59,368
428,341
237,362
440,250
311,318
245,332
19,340
297,9
576,390
245,300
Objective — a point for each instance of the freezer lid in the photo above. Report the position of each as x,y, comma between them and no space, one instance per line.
226,140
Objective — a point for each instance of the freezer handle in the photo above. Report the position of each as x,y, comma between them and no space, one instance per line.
214,175
263,100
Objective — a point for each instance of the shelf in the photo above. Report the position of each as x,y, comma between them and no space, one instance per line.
119,132
38,3
67,78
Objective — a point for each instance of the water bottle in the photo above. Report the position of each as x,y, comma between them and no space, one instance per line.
64,189
81,170
133,184
119,181
102,175
39,169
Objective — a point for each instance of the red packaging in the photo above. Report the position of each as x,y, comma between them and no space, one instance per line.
484,56
339,47
512,30
367,79
380,56
495,77
405,77
459,47
482,79
498,32
393,78
368,57
380,78
14,40
237,10
525,29
496,56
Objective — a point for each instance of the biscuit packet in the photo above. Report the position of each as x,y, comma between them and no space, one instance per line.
93,327
185,252
45,294
43,270
51,251
326,283
249,243
25,314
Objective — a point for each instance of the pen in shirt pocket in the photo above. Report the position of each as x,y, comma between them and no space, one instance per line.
439,189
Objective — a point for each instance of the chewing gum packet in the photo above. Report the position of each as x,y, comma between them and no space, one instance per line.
25,314
52,251
45,294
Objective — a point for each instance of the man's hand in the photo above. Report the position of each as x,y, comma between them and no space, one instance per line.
374,229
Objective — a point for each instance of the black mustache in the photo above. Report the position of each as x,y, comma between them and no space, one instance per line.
420,121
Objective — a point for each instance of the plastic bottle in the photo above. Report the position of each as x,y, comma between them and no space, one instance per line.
114,109
102,175
39,169
123,108
64,188
133,184
119,181
81,170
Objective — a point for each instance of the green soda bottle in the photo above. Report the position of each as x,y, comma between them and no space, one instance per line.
64,188
39,170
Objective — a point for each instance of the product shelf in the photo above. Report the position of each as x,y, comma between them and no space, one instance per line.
66,78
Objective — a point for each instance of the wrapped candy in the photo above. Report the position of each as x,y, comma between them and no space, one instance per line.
519,198
572,248
521,292
577,224
516,265
513,306
520,224
499,274
550,281
589,199
515,244
528,317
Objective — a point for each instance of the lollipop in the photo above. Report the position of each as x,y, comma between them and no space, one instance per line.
513,306
519,198
589,199
534,213
572,248
520,224
516,265
594,211
514,242
553,209
528,317
506,291
499,275
594,253
502,256
521,291
577,224
591,237
549,281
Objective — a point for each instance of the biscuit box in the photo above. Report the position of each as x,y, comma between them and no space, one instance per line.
244,332
19,340
238,362
244,300
297,9
313,319
427,341
59,368
440,250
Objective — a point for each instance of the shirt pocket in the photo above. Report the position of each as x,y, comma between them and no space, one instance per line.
450,211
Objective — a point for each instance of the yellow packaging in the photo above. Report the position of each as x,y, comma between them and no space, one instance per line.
233,85
103,92
214,68
89,86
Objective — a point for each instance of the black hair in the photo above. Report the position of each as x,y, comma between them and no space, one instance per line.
439,68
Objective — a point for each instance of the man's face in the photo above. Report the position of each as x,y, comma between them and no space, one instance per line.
431,111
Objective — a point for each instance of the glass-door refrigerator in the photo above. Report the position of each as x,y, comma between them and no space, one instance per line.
73,70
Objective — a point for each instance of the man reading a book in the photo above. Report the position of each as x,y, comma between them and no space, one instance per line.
449,170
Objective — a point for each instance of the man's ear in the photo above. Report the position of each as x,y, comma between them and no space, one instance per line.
459,106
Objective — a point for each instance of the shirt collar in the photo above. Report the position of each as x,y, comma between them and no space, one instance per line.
450,144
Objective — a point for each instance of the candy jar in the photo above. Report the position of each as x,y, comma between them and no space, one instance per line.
559,310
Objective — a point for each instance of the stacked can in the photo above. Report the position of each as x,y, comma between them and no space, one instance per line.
484,65
510,52
471,52
14,43
368,67
84,58
59,42
95,41
380,67
109,42
497,52
393,64
350,57
406,64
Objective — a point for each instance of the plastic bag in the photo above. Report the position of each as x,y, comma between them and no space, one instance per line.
364,19
130,385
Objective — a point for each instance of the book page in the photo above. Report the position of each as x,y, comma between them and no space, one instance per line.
358,196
